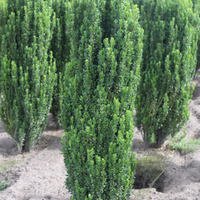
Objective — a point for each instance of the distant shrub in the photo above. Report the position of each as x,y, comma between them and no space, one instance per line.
3,19
60,48
196,7
27,71
168,66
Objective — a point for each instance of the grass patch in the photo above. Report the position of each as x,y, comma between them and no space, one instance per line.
3,185
183,144
6,165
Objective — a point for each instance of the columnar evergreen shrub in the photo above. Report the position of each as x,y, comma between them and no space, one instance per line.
196,7
97,97
60,49
168,65
27,71
3,17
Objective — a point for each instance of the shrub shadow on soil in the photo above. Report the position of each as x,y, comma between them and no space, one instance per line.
49,139
196,93
1,127
8,145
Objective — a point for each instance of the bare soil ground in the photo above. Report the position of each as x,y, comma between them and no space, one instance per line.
40,174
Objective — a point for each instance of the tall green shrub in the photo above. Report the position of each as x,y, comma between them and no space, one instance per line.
196,7
3,17
97,97
168,65
27,71
60,49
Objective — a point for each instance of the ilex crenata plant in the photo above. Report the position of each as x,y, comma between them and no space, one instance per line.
3,17
27,71
60,48
97,96
196,8
168,66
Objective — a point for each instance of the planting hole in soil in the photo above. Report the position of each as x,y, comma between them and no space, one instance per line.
143,181
150,172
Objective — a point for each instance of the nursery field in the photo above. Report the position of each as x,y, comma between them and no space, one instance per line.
100,68
40,174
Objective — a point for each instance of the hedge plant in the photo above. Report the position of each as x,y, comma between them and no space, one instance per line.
3,17
60,48
196,7
3,20
97,96
27,70
168,66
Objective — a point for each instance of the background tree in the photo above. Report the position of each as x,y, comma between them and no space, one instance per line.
168,66
196,7
60,48
3,20
27,71
97,96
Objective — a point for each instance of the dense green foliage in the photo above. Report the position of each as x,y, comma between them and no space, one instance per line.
60,49
196,7
97,96
3,185
3,17
168,66
27,70
3,20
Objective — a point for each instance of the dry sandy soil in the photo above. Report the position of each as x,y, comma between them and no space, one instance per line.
40,174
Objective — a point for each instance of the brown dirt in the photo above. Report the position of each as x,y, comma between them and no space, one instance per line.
40,174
